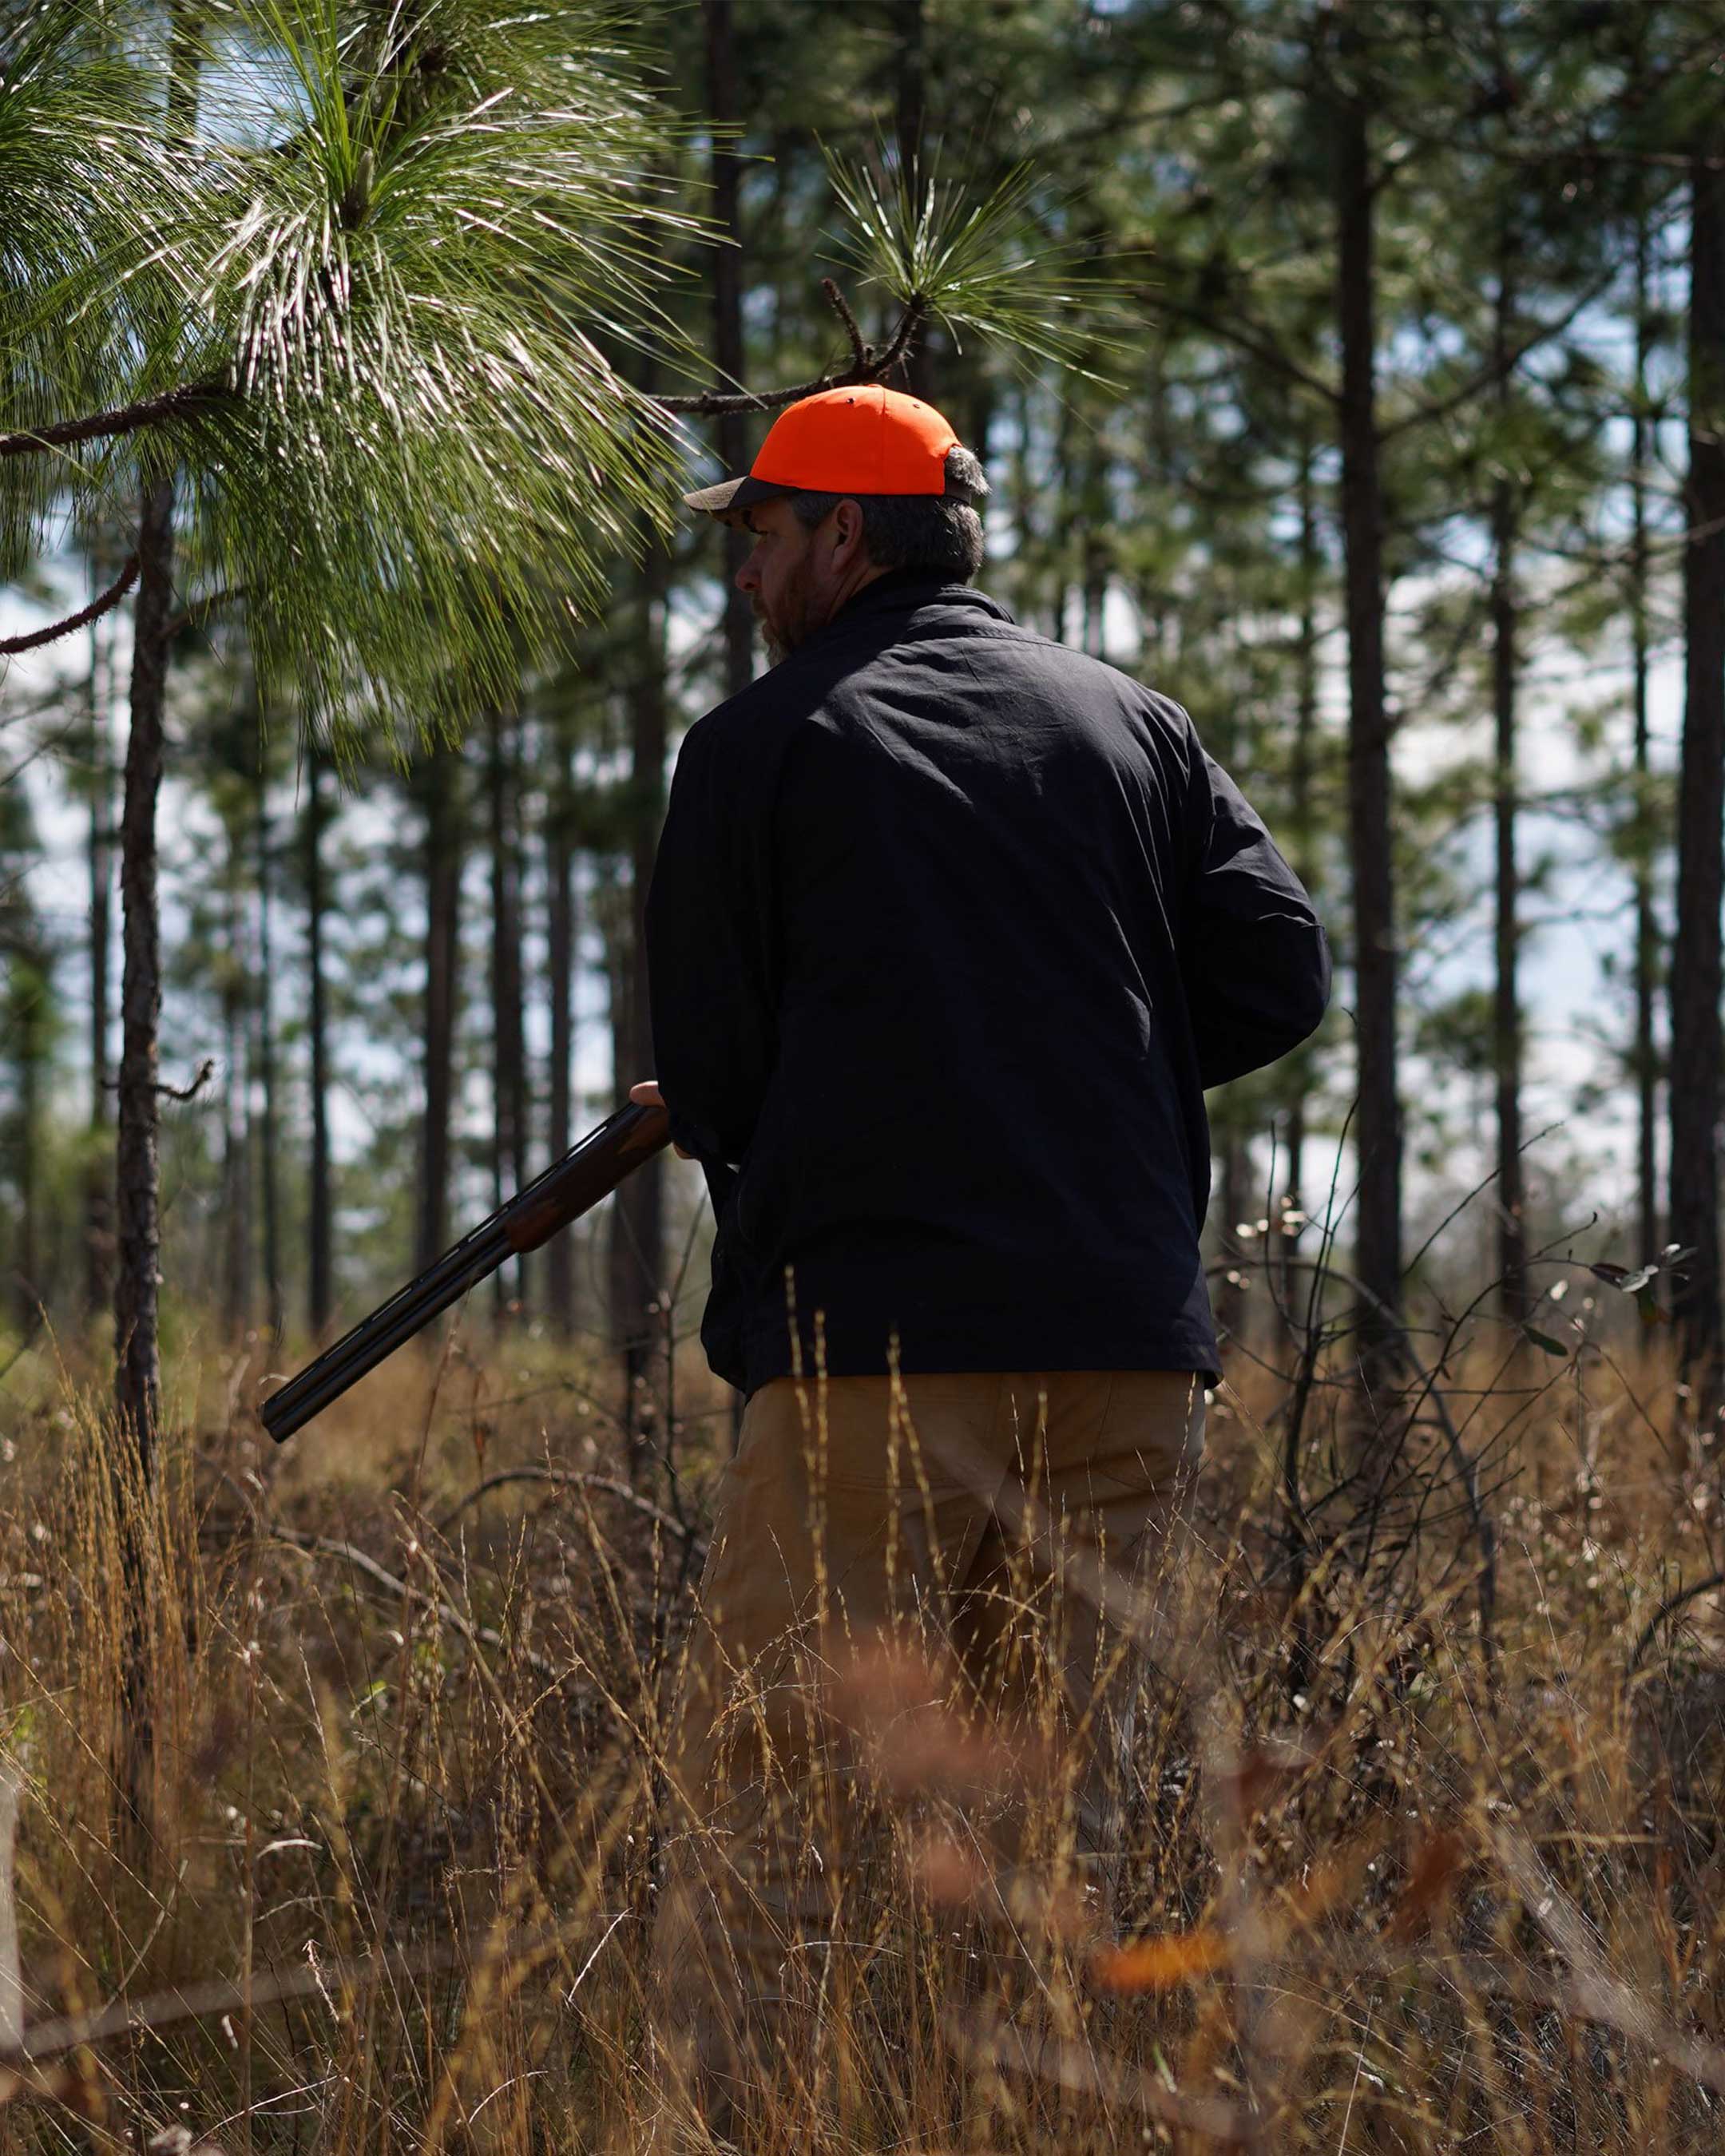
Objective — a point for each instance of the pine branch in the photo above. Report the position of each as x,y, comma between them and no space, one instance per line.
206,1071
11,646
867,365
189,399
861,354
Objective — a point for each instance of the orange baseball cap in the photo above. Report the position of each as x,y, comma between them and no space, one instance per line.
865,440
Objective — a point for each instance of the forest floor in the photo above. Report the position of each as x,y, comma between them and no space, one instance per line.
1425,1848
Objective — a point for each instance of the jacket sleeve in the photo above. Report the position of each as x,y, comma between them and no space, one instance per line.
1253,954
710,949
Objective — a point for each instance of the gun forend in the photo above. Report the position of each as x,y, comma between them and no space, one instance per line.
580,1178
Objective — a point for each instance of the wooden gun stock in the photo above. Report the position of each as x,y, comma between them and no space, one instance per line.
573,1186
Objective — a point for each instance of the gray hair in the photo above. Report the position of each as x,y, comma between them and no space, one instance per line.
940,532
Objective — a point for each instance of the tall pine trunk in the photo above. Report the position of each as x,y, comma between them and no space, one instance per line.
727,260
234,1241
1696,1046
1300,830
1378,1116
638,1213
97,1195
138,1253
1234,1195
137,1375
440,798
1512,1253
269,1169
1644,1055
561,957
320,1225
509,1137
137,1385
28,1022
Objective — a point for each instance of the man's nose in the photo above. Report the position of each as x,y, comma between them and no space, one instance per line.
748,576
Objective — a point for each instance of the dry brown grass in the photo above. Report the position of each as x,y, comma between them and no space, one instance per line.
396,1859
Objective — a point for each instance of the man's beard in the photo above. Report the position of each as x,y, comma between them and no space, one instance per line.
791,619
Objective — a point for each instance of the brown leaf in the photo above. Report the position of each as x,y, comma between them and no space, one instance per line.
1157,1964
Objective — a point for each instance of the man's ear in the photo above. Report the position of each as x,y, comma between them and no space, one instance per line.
847,528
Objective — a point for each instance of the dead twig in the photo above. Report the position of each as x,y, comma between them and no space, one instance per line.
475,1636
862,354
566,1479
1669,1608
11,646
206,1071
867,365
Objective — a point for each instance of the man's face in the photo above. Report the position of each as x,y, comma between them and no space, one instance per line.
797,579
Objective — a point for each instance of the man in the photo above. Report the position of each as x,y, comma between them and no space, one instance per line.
950,929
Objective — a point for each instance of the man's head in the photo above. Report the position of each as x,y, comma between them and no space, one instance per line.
848,486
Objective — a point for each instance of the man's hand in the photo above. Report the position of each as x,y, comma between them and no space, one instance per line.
647,1095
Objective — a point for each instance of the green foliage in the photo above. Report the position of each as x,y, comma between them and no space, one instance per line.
406,265
982,264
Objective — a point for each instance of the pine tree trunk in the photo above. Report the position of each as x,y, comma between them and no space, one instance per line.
1300,828
1378,1116
1511,1252
137,1388
508,1053
29,1018
1695,1046
98,1198
137,1255
1234,1196
1644,1055
439,791
561,958
320,1227
638,1213
137,1377
269,1171
727,261
234,1243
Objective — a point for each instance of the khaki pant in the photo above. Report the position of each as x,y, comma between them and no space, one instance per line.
878,1548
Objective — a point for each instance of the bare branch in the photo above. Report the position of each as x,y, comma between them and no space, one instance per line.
563,1478
861,354
206,1071
181,403
1669,1608
716,404
11,646
475,1635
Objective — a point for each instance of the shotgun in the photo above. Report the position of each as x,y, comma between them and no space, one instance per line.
569,1187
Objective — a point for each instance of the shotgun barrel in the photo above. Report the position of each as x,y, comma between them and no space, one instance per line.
569,1187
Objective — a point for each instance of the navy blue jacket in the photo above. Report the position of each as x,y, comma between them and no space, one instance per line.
950,929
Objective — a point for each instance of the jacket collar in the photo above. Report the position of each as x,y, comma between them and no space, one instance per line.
901,592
